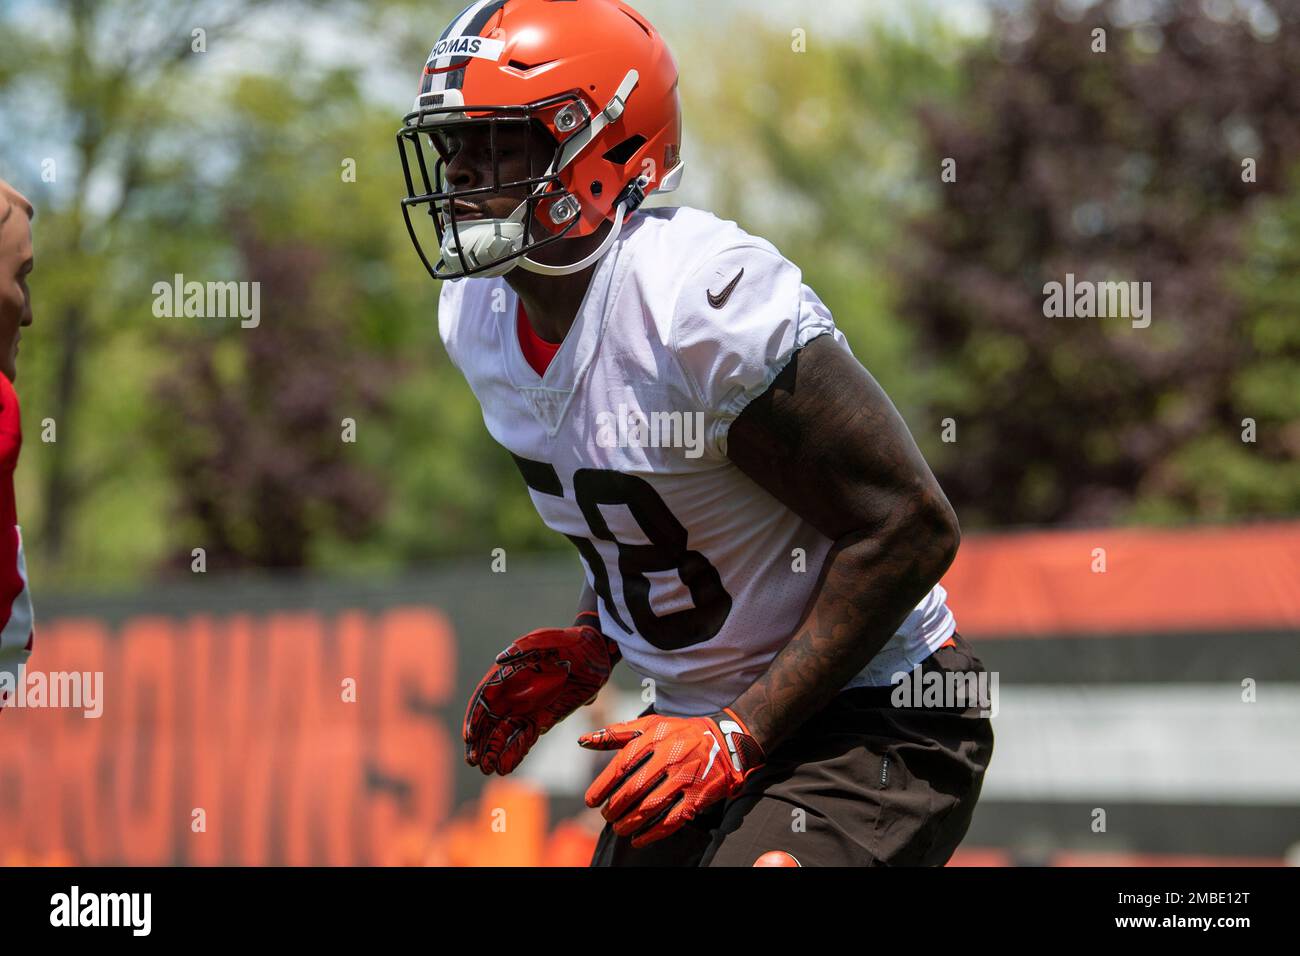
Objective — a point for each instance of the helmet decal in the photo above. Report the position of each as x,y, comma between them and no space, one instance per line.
445,69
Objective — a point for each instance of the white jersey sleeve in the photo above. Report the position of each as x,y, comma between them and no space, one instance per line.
738,320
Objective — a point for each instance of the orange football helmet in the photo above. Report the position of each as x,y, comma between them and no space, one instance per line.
592,75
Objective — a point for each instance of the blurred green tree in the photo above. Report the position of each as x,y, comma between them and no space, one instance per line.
1249,464
93,109
179,153
1121,165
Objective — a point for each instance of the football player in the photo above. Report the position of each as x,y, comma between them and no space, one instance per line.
761,537
16,264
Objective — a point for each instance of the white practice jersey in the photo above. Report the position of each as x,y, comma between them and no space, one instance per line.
702,576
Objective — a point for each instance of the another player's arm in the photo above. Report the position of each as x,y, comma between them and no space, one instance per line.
827,442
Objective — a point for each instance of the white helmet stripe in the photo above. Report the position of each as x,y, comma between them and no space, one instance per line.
467,23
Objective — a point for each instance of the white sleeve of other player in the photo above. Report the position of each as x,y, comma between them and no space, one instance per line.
16,635
730,353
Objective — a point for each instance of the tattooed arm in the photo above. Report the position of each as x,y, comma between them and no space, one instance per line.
827,442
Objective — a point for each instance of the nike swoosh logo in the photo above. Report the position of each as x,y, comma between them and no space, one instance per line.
719,300
708,733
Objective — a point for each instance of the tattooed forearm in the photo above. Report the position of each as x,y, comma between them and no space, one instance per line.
827,442
867,588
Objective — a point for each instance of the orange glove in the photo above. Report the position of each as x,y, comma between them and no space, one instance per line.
534,684
670,769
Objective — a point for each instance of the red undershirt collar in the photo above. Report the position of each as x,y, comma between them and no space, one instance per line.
537,351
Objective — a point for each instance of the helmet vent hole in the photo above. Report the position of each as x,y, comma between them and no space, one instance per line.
625,150
523,67
644,26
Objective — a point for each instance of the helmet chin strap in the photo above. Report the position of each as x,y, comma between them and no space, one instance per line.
541,268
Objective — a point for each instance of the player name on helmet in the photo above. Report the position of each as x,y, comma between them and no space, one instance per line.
480,47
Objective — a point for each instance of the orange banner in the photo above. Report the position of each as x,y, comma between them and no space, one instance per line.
1127,581
289,738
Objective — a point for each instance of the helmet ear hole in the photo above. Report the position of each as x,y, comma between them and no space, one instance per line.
625,150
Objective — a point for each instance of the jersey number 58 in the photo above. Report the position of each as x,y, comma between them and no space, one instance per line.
666,551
